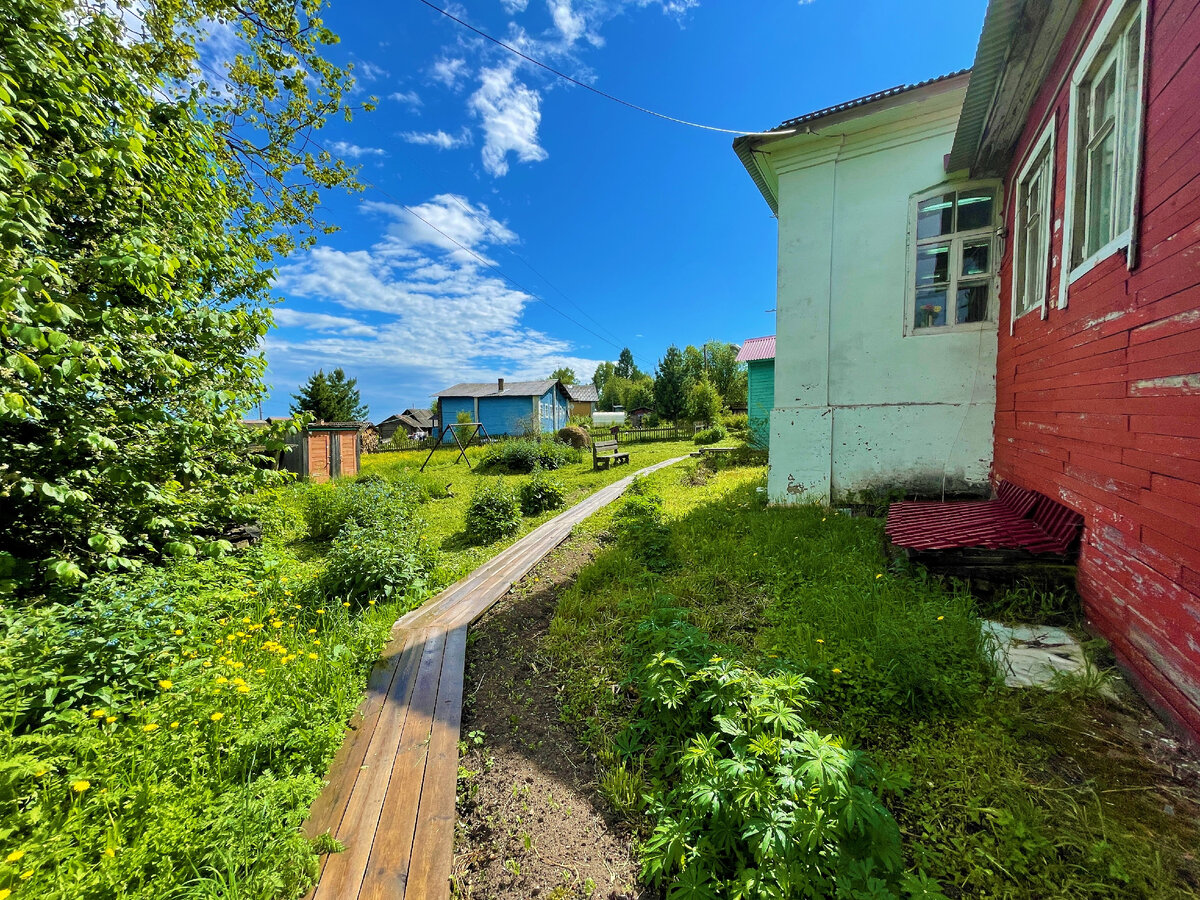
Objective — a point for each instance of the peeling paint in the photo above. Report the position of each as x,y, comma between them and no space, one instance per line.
1174,384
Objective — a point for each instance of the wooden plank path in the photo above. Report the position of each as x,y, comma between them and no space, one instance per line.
391,788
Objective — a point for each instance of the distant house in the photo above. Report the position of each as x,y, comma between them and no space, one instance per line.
584,398
759,356
514,408
416,424
886,326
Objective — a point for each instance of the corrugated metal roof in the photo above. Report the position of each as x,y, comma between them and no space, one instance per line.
757,348
990,54
491,389
864,101
583,393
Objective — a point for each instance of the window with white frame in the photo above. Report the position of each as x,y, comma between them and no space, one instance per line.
1032,226
1106,114
953,271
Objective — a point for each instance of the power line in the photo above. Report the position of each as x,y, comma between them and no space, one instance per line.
565,77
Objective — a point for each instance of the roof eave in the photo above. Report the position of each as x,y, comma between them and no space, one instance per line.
745,147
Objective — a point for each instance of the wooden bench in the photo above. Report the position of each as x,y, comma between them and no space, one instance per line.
1018,519
605,454
714,451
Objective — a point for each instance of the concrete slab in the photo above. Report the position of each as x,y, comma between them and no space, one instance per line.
1031,655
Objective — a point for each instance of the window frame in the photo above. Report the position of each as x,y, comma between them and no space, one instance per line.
1039,163
956,239
1105,49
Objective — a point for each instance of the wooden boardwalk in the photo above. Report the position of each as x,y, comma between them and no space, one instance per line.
391,790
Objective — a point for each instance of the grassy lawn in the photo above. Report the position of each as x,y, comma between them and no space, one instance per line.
782,711
444,515
165,732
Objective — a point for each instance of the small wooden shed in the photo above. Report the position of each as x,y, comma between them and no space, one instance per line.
325,450
759,356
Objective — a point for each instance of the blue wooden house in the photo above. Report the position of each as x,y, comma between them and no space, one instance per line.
516,408
759,356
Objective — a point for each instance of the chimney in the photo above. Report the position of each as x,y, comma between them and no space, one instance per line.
500,385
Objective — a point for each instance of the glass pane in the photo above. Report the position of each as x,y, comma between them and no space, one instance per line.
933,265
1104,100
1130,101
1033,251
935,216
1101,159
975,209
975,257
931,308
972,303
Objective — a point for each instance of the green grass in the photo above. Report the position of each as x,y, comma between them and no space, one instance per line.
1008,795
165,733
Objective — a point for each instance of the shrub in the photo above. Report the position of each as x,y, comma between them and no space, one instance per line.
640,527
366,501
378,562
541,493
759,804
494,513
736,421
710,435
574,436
520,456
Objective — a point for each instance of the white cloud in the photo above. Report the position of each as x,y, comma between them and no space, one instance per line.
409,98
286,317
510,112
570,24
369,71
450,71
445,317
439,139
353,151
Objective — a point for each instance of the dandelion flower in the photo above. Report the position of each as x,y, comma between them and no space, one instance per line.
166,684
259,671
313,656
820,640
245,620
40,772
221,679
26,875
243,689
217,716
837,671
320,612
98,714
178,631
110,719
312,631
879,575
347,605
317,642
5,893
940,618
174,725
14,856
80,786
150,726
370,602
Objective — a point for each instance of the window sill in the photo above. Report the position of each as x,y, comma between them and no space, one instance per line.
1035,308
968,328
1120,242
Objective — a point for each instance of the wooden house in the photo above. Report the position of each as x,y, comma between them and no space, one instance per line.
584,398
518,407
1086,114
415,423
759,356
324,450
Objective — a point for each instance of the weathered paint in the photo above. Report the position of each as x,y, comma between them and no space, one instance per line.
858,404
760,398
1099,403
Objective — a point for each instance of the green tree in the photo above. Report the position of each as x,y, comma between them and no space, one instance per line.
625,367
671,385
616,391
330,398
603,372
703,402
143,201
564,374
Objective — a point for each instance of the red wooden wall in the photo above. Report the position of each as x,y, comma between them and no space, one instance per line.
1099,404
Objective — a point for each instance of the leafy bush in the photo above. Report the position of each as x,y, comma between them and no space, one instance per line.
520,457
575,436
759,805
541,493
640,527
736,421
494,513
710,435
381,562
367,501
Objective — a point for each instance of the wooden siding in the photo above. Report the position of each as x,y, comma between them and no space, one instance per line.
506,415
349,457
760,399
1098,404
319,455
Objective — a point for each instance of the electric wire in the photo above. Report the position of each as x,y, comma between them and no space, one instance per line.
575,81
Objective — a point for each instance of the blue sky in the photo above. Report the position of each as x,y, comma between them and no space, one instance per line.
619,229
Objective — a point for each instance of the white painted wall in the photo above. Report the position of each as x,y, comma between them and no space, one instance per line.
860,405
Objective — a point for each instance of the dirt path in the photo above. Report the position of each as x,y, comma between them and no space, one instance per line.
531,822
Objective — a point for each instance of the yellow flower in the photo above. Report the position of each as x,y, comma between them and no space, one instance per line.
320,612
40,772
880,575
820,640
98,714
217,716
317,642
178,631
245,620
940,618
14,856
5,893
110,853
151,726
837,671
312,631
110,719
166,684
370,602
239,680
347,605
259,671
174,724
243,689
80,786
27,874
221,679
313,656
